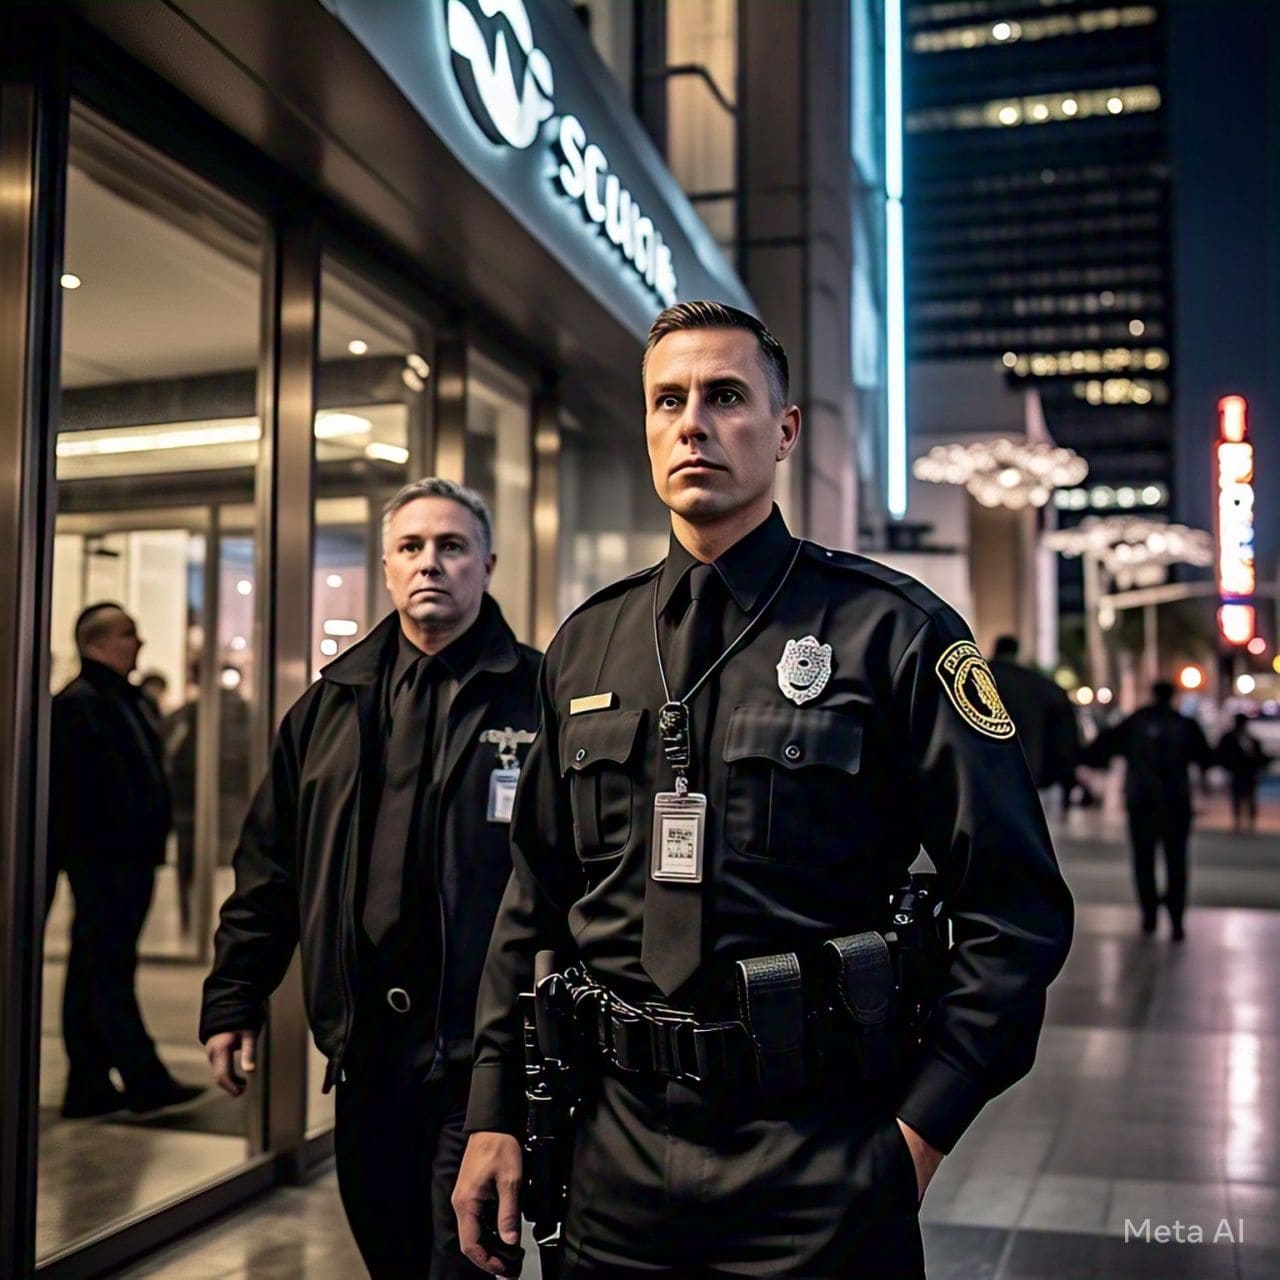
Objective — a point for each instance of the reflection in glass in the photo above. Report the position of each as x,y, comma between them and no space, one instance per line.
156,451
499,467
372,391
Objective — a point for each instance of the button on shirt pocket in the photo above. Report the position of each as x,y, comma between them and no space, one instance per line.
595,749
792,788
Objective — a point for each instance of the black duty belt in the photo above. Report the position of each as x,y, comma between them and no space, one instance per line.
785,1035
655,1040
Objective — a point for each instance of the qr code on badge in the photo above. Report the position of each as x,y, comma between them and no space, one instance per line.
679,840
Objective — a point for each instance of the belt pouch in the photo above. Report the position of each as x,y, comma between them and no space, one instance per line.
771,1000
860,973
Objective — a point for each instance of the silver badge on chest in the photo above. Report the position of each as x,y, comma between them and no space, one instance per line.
804,669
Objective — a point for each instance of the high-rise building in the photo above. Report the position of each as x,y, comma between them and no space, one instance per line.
1038,227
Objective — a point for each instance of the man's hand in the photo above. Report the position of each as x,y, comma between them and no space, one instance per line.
490,1174
222,1050
925,1158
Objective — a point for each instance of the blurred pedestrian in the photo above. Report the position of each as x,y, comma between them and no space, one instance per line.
1042,714
108,824
153,686
378,843
1242,756
1159,745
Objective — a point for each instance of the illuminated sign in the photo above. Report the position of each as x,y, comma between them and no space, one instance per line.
1233,471
508,85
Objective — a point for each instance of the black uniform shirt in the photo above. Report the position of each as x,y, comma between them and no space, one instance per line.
444,669
820,795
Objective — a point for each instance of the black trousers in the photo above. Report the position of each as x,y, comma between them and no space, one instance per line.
398,1143
102,1024
667,1184
1150,828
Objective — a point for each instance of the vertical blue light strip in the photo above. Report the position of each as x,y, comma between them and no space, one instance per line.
895,269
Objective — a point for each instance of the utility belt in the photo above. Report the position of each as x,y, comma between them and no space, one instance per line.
792,1027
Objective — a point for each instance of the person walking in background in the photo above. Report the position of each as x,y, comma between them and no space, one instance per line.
1042,714
1242,756
108,824
1158,745
378,842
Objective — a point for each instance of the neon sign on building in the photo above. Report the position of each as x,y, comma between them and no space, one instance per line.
1233,474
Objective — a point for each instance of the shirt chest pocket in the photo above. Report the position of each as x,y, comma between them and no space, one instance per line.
793,786
596,753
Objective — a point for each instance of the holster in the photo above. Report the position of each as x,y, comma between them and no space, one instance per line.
771,1004
859,974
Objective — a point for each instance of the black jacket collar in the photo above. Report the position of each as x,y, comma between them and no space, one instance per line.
747,568
495,649
105,677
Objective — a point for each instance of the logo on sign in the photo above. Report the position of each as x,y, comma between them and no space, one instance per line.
508,85
506,80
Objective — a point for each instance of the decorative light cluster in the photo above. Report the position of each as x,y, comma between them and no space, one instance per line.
1122,391
1003,473
1134,550
1099,497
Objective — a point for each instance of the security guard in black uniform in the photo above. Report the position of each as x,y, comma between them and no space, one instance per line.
378,842
742,751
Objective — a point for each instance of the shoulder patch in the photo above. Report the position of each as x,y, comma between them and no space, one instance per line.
972,689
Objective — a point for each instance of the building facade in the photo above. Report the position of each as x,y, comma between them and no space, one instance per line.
262,265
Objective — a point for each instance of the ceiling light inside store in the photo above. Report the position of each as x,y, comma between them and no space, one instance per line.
418,364
71,445
357,346
328,647
70,281
329,426
341,627
230,678
381,452
333,580
244,587
238,644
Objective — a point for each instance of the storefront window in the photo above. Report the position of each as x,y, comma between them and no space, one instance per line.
499,465
371,438
157,444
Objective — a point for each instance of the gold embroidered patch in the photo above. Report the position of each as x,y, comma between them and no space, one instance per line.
972,688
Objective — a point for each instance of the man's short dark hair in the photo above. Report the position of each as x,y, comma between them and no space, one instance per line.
1162,692
93,623
1007,647
720,315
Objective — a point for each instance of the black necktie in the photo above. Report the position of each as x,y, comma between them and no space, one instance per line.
671,945
408,749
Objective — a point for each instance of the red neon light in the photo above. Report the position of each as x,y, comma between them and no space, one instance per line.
1231,418
1238,623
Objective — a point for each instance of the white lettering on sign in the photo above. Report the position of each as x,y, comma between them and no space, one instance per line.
510,109
584,176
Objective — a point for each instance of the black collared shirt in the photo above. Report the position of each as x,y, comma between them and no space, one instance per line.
446,668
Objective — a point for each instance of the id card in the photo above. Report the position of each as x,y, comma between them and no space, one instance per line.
502,794
679,823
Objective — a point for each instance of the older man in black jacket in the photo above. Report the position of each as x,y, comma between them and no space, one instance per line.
378,841
108,823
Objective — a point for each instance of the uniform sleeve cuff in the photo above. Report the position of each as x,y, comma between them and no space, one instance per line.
496,1104
214,1021
941,1103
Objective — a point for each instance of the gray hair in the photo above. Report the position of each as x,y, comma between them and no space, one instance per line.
438,487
